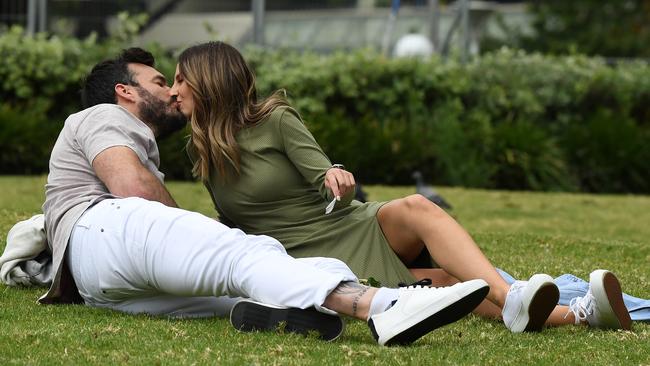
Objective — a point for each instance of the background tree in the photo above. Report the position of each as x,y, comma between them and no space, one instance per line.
612,28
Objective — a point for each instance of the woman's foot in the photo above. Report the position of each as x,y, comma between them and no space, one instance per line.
529,303
602,306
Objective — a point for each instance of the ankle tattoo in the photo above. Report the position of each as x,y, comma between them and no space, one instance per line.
352,289
355,302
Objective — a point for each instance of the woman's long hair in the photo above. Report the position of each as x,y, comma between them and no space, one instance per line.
225,101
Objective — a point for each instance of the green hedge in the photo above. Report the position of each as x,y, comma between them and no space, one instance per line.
507,120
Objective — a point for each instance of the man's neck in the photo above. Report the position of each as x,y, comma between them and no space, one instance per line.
133,109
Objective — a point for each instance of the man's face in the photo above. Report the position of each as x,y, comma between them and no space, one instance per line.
156,106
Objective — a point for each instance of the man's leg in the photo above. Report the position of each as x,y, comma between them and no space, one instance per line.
180,307
81,260
135,248
248,315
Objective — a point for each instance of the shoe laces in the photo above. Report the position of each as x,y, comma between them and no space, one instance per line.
582,307
425,282
518,286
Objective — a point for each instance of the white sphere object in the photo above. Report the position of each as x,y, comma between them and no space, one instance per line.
413,45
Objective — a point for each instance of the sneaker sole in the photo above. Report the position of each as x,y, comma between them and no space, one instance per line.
533,315
249,316
541,306
611,290
448,315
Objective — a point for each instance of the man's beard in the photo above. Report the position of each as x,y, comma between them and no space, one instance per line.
161,116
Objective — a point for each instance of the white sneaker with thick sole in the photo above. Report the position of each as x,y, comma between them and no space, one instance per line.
602,306
250,316
419,310
529,303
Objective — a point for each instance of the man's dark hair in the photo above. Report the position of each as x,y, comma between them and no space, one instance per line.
99,85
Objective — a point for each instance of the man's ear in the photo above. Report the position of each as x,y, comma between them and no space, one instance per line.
125,92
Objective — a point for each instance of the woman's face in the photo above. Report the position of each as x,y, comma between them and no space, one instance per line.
183,93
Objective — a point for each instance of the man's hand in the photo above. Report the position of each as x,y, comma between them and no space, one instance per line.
124,175
339,181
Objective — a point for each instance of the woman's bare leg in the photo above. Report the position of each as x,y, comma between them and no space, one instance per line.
561,316
411,222
440,277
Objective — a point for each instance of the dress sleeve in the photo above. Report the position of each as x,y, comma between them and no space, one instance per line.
306,155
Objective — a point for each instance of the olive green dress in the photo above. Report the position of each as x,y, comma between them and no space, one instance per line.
281,193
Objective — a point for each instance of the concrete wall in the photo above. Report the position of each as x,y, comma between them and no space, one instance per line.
320,30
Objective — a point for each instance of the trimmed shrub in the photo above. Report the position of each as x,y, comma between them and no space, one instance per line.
26,139
506,120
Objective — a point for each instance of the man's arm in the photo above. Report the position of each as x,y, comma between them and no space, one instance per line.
124,175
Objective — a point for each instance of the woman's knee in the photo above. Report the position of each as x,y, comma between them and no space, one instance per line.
418,204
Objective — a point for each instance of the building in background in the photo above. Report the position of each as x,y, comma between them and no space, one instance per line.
319,25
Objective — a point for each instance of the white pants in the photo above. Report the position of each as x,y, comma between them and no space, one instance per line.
139,256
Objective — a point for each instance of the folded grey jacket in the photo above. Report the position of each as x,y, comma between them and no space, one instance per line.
27,260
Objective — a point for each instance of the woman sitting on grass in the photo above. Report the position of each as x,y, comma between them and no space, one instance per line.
267,175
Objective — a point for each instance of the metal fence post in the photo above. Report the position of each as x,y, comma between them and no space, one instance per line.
434,24
258,22
42,15
465,38
390,24
31,16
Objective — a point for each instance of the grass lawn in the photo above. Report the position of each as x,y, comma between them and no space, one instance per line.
521,232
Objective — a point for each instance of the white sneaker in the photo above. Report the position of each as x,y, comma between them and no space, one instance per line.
602,306
419,310
529,303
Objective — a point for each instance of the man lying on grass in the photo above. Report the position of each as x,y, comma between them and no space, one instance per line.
119,242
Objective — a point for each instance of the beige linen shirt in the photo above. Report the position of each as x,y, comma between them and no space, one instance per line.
73,186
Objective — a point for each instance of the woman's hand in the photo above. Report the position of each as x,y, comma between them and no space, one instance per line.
339,181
